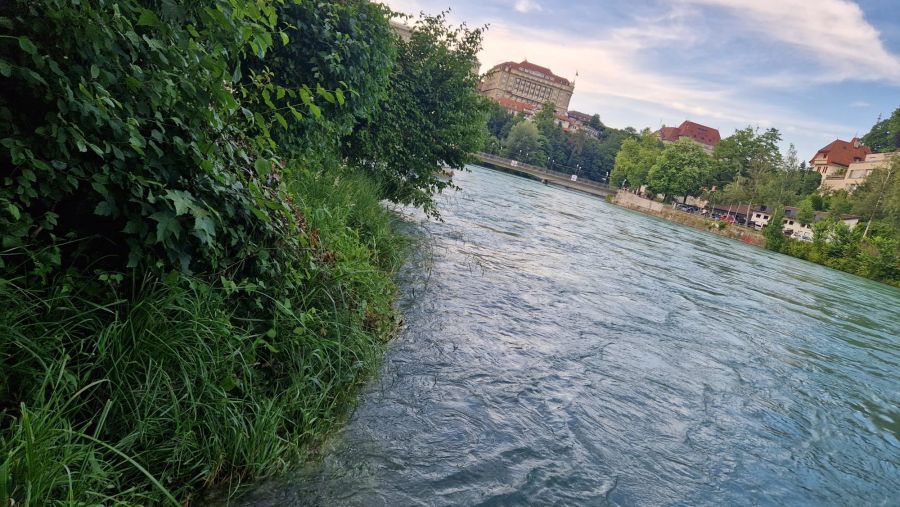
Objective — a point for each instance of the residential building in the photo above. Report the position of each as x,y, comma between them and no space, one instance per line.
833,161
580,117
403,30
857,172
528,83
706,137
761,215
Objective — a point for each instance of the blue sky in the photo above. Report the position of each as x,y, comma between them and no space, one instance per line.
815,69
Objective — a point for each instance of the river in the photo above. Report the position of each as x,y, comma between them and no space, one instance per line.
559,350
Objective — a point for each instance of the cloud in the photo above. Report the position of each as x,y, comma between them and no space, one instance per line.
860,103
527,6
834,32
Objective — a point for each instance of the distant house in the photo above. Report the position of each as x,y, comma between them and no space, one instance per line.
791,226
857,172
580,117
833,161
706,137
517,106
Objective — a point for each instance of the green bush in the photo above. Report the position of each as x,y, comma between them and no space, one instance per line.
160,387
126,143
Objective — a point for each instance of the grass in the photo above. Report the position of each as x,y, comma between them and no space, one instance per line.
151,391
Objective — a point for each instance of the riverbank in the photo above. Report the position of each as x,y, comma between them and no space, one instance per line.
658,209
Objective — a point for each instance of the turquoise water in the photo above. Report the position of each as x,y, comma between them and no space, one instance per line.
559,350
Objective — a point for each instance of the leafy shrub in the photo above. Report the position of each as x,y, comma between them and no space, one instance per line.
125,143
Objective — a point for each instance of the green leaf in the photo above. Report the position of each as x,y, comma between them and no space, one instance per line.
148,18
205,229
5,68
285,39
281,121
13,210
182,200
339,94
168,225
236,75
104,209
262,167
27,46
95,72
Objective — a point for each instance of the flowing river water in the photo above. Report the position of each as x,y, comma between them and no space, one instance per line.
559,350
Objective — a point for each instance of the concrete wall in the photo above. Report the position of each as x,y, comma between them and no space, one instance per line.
629,200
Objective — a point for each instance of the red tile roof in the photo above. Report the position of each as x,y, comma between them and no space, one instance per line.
579,116
515,105
700,133
526,65
843,153
669,133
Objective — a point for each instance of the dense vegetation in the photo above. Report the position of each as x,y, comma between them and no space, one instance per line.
196,268
544,143
748,167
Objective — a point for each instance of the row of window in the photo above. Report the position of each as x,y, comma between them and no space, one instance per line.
531,88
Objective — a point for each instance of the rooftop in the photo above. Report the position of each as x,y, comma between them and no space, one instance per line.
529,67
699,133
843,152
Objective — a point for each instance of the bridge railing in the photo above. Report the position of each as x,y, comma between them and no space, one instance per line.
488,157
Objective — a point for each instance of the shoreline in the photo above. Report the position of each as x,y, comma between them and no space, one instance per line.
743,234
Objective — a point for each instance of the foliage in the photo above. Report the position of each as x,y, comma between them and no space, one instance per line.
124,134
166,380
745,150
336,63
195,275
885,134
682,169
773,231
575,152
525,144
635,158
432,114
500,121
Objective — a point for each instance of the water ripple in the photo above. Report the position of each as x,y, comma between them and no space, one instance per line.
568,352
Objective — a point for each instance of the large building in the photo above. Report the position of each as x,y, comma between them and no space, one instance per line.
527,83
857,172
833,163
706,137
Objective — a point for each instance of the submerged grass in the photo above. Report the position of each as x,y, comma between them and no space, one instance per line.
165,387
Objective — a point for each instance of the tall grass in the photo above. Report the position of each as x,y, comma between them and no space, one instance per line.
152,390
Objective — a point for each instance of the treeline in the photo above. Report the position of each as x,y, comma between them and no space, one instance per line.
541,141
748,167
195,268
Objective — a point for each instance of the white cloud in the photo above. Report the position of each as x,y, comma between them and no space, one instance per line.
860,103
834,32
626,91
527,6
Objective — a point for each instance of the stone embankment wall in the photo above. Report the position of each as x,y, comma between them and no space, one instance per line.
637,203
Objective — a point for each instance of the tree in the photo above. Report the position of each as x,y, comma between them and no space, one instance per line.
432,115
879,197
500,121
682,169
635,158
525,144
595,122
807,213
774,232
885,134
738,153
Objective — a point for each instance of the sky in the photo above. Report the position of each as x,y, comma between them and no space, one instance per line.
817,70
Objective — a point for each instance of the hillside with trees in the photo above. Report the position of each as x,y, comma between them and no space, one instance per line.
541,141
748,167
196,267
